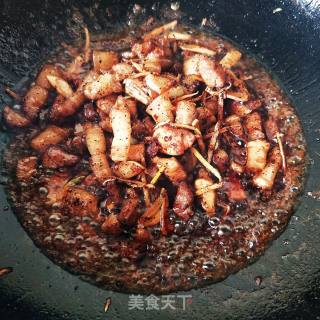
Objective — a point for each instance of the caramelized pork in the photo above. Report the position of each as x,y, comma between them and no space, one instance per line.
265,179
173,141
55,157
111,225
183,202
161,109
257,147
121,127
14,118
211,72
208,197
26,168
52,135
47,70
173,168
127,169
34,101
68,106
102,86
80,202
104,60
128,214
96,144
135,89
185,112
63,87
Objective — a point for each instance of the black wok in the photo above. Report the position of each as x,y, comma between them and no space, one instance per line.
284,35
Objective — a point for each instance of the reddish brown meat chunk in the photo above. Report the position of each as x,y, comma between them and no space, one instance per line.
68,106
152,149
142,49
111,225
80,202
56,187
34,100
47,70
14,118
173,141
183,202
90,113
143,235
26,168
271,128
165,224
105,104
173,168
221,159
128,214
234,189
55,157
253,124
241,109
52,135
113,192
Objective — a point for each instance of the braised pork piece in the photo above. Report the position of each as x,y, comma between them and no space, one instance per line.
164,167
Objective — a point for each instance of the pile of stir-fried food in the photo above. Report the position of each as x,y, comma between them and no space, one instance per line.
167,128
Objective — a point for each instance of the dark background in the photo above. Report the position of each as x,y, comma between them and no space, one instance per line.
287,42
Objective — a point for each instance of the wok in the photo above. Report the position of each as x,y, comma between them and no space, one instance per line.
283,35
